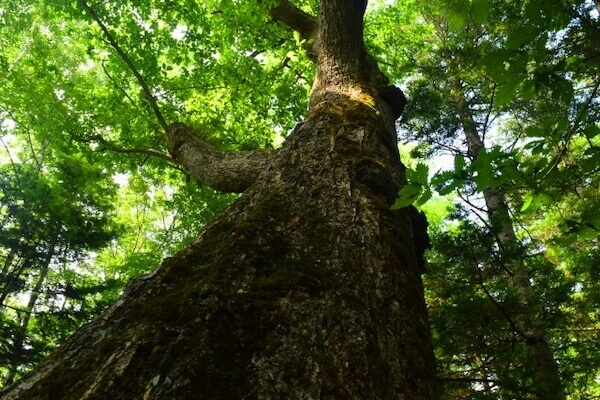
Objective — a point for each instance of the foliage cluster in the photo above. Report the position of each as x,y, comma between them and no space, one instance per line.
506,92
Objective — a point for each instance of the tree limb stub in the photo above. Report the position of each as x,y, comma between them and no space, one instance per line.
295,18
226,171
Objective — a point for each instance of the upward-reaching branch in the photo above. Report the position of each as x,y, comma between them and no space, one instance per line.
147,92
347,30
341,56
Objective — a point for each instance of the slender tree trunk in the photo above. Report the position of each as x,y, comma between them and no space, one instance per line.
18,349
308,287
8,262
13,270
7,275
547,382
483,370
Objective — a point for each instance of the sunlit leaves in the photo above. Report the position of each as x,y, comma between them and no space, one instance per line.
52,216
64,85
459,12
417,190
525,70
530,84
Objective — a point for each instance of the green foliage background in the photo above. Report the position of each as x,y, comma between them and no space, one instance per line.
84,207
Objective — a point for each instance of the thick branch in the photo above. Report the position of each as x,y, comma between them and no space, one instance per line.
295,18
226,171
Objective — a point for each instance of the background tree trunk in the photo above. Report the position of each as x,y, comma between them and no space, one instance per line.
526,319
18,343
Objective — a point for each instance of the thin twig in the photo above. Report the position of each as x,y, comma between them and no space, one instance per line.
489,113
571,131
504,313
119,88
466,379
129,63
8,153
148,152
475,209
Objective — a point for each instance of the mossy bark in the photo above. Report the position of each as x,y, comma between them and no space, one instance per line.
307,287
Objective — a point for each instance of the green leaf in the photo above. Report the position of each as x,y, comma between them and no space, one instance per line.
417,190
458,13
520,35
592,131
592,218
421,174
592,163
532,12
532,201
480,10
408,195
527,200
459,164
424,197
483,169
534,131
446,182
562,89
506,91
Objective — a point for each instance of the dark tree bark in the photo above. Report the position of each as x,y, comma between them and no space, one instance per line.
308,287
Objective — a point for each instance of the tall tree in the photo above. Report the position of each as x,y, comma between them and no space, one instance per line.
41,234
308,286
477,94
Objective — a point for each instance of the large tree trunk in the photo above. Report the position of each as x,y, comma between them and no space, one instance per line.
308,287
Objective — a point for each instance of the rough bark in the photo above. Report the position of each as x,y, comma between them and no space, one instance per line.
546,379
341,54
307,287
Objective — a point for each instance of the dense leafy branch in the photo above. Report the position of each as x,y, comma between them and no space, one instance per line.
467,380
224,171
503,311
117,86
8,152
572,130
